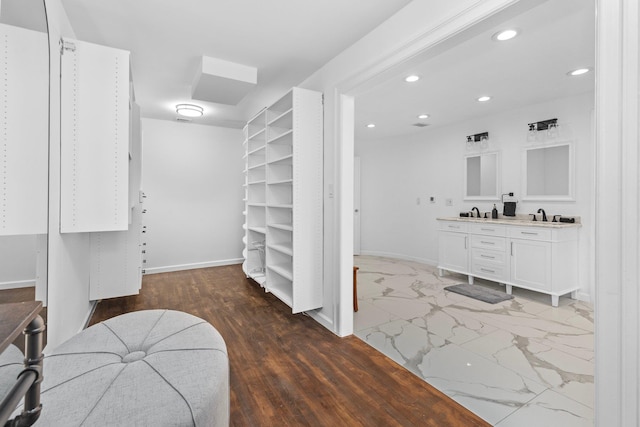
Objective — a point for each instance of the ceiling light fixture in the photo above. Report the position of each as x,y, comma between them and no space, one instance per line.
412,78
371,125
505,35
423,116
189,110
484,98
579,72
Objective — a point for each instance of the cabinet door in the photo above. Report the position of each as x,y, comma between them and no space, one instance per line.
24,144
453,252
531,264
95,138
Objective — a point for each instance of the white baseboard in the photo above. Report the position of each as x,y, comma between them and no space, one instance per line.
193,266
17,284
321,318
400,256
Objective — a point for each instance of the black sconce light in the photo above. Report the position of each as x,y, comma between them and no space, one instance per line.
479,140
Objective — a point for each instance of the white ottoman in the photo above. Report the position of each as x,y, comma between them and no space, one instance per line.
146,368
11,364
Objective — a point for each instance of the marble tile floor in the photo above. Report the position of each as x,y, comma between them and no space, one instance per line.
516,363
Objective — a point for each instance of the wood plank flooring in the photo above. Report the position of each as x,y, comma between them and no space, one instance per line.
287,370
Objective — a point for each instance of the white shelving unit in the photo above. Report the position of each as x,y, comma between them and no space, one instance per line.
283,192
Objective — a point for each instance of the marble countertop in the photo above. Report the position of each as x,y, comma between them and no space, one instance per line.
513,221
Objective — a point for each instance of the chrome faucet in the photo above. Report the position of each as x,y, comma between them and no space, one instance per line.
477,210
544,215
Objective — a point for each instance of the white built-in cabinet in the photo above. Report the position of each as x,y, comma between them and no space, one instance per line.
283,199
24,131
539,258
101,164
94,138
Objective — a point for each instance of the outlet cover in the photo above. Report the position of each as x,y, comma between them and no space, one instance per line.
449,202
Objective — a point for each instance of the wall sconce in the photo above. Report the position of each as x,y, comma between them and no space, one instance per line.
478,141
536,129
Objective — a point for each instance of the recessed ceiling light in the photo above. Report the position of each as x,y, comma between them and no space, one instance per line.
412,78
371,125
423,116
505,35
579,71
189,110
484,98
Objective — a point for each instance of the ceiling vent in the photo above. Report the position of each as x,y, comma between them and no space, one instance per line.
420,125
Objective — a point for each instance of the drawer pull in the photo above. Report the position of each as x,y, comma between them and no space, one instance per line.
529,233
454,226
487,229
486,270
487,243
487,257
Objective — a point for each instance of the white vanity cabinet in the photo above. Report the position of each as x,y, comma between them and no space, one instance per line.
545,260
542,258
453,247
488,252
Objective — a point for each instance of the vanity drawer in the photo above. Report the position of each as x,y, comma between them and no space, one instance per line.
488,257
455,226
489,229
530,233
499,273
488,242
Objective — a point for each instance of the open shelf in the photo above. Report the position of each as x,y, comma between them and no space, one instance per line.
285,248
283,137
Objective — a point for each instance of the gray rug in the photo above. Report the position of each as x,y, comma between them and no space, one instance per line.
479,292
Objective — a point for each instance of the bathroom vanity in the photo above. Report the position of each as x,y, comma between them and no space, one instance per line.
535,255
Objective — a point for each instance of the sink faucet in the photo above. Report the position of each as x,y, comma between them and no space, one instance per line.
544,215
477,210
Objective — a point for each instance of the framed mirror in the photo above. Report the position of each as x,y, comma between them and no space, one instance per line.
548,173
482,176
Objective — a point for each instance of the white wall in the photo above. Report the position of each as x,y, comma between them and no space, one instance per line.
395,173
69,307
192,176
17,261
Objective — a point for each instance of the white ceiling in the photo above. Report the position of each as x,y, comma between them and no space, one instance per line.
556,36
286,40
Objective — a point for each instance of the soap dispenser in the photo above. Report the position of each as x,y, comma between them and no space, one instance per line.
494,212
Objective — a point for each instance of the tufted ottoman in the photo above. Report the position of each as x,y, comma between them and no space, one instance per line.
145,368
11,364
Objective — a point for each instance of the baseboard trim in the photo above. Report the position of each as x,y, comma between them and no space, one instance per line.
193,266
426,261
18,284
321,318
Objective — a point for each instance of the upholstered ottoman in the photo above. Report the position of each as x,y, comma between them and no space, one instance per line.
146,368
11,364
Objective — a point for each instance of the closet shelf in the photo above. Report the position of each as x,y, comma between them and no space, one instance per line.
278,138
285,227
261,230
281,159
282,269
285,248
282,181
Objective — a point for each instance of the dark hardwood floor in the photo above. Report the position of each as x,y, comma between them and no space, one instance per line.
287,370
22,295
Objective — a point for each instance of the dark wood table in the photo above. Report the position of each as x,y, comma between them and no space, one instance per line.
15,319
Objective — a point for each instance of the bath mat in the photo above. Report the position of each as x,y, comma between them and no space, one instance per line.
479,292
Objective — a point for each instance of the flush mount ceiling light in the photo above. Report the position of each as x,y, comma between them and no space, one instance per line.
484,98
505,35
578,72
423,116
371,125
189,110
412,78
